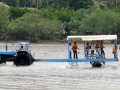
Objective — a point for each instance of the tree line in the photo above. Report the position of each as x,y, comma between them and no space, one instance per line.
36,20
74,4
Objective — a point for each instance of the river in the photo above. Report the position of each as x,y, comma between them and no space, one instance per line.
59,76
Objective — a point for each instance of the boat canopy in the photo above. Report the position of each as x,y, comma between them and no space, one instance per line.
92,37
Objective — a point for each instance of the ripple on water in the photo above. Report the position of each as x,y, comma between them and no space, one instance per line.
52,76
57,76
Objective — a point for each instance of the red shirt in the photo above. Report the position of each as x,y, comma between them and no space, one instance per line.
74,47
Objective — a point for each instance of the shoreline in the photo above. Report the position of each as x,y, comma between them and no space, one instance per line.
10,42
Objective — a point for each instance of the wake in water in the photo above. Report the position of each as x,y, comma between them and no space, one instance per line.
57,76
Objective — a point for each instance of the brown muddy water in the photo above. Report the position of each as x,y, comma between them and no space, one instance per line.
59,76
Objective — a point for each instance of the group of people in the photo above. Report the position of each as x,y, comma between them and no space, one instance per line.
74,48
95,46
99,48
91,47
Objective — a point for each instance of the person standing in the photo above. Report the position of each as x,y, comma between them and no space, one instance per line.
102,50
97,47
114,51
87,47
74,48
92,49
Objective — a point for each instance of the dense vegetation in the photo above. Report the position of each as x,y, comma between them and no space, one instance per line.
36,20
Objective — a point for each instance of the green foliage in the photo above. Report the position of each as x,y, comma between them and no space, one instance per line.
33,26
4,20
74,4
9,2
17,12
77,4
64,14
50,13
75,21
107,3
102,22
36,20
